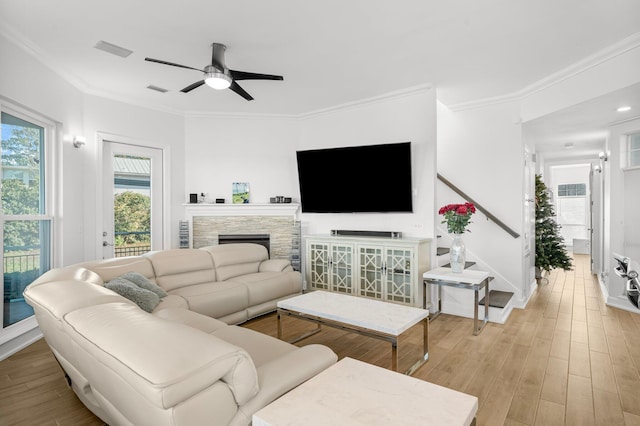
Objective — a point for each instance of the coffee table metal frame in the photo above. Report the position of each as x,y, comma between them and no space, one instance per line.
460,283
393,339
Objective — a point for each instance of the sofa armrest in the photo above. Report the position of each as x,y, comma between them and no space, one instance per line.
275,265
282,374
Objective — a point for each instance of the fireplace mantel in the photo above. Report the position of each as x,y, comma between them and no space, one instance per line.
251,209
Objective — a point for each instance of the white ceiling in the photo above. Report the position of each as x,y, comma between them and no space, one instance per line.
330,52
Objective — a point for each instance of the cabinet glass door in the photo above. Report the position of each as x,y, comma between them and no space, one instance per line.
342,268
319,265
371,272
398,275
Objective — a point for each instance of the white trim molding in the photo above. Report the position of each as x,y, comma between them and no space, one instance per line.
598,58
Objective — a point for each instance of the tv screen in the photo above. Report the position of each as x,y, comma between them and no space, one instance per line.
356,179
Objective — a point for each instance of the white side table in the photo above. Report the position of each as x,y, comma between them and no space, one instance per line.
469,279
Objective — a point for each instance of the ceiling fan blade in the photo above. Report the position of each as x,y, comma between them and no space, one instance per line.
240,91
172,64
243,75
192,86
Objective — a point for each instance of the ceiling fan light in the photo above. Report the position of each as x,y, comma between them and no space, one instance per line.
217,80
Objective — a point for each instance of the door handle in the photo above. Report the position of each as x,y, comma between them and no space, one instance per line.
105,244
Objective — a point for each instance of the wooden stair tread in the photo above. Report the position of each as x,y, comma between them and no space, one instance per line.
442,250
497,298
466,265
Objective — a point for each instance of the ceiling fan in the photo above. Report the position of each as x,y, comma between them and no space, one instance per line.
218,76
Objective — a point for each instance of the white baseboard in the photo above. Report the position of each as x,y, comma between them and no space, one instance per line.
19,343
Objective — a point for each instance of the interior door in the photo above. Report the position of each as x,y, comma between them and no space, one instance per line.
595,203
132,199
529,221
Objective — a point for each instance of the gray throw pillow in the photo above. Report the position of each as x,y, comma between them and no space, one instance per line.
145,299
143,282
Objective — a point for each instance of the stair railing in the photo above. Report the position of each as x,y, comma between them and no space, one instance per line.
479,207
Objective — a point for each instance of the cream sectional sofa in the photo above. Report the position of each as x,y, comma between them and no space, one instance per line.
184,363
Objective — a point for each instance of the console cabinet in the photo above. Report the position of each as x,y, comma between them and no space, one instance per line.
330,266
388,269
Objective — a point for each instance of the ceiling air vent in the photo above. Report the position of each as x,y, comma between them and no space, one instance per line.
157,89
113,49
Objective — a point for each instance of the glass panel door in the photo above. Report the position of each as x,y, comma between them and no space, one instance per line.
132,200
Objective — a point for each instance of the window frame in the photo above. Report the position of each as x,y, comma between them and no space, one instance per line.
631,150
50,192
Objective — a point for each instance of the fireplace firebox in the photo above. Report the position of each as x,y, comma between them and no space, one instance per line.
262,239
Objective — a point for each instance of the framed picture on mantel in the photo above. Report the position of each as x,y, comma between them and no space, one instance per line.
240,193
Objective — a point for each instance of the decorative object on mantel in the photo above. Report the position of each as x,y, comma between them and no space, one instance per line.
280,199
240,193
457,217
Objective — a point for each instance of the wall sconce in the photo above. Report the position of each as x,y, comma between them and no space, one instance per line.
603,156
78,141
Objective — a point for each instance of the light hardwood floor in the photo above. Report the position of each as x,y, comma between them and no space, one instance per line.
567,359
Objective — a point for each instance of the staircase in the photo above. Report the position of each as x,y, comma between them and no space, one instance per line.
459,302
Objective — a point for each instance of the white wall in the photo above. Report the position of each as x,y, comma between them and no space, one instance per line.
259,150
405,118
481,151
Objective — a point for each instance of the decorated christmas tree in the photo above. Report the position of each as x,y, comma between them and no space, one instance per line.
550,249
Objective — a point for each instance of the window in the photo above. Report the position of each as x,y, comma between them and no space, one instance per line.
25,223
572,211
634,150
572,190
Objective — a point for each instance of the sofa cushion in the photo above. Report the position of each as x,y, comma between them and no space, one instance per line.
261,347
179,268
143,282
215,299
145,299
121,339
232,260
171,301
192,319
265,286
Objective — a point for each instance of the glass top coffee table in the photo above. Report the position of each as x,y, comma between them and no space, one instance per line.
372,318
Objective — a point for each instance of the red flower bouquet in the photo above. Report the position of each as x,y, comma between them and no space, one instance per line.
457,216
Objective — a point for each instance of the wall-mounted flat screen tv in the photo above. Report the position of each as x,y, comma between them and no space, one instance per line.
356,179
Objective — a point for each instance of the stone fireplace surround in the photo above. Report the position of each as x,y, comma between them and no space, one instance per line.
279,221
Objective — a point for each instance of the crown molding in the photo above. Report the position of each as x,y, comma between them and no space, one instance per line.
238,115
313,114
39,55
411,91
132,102
598,58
